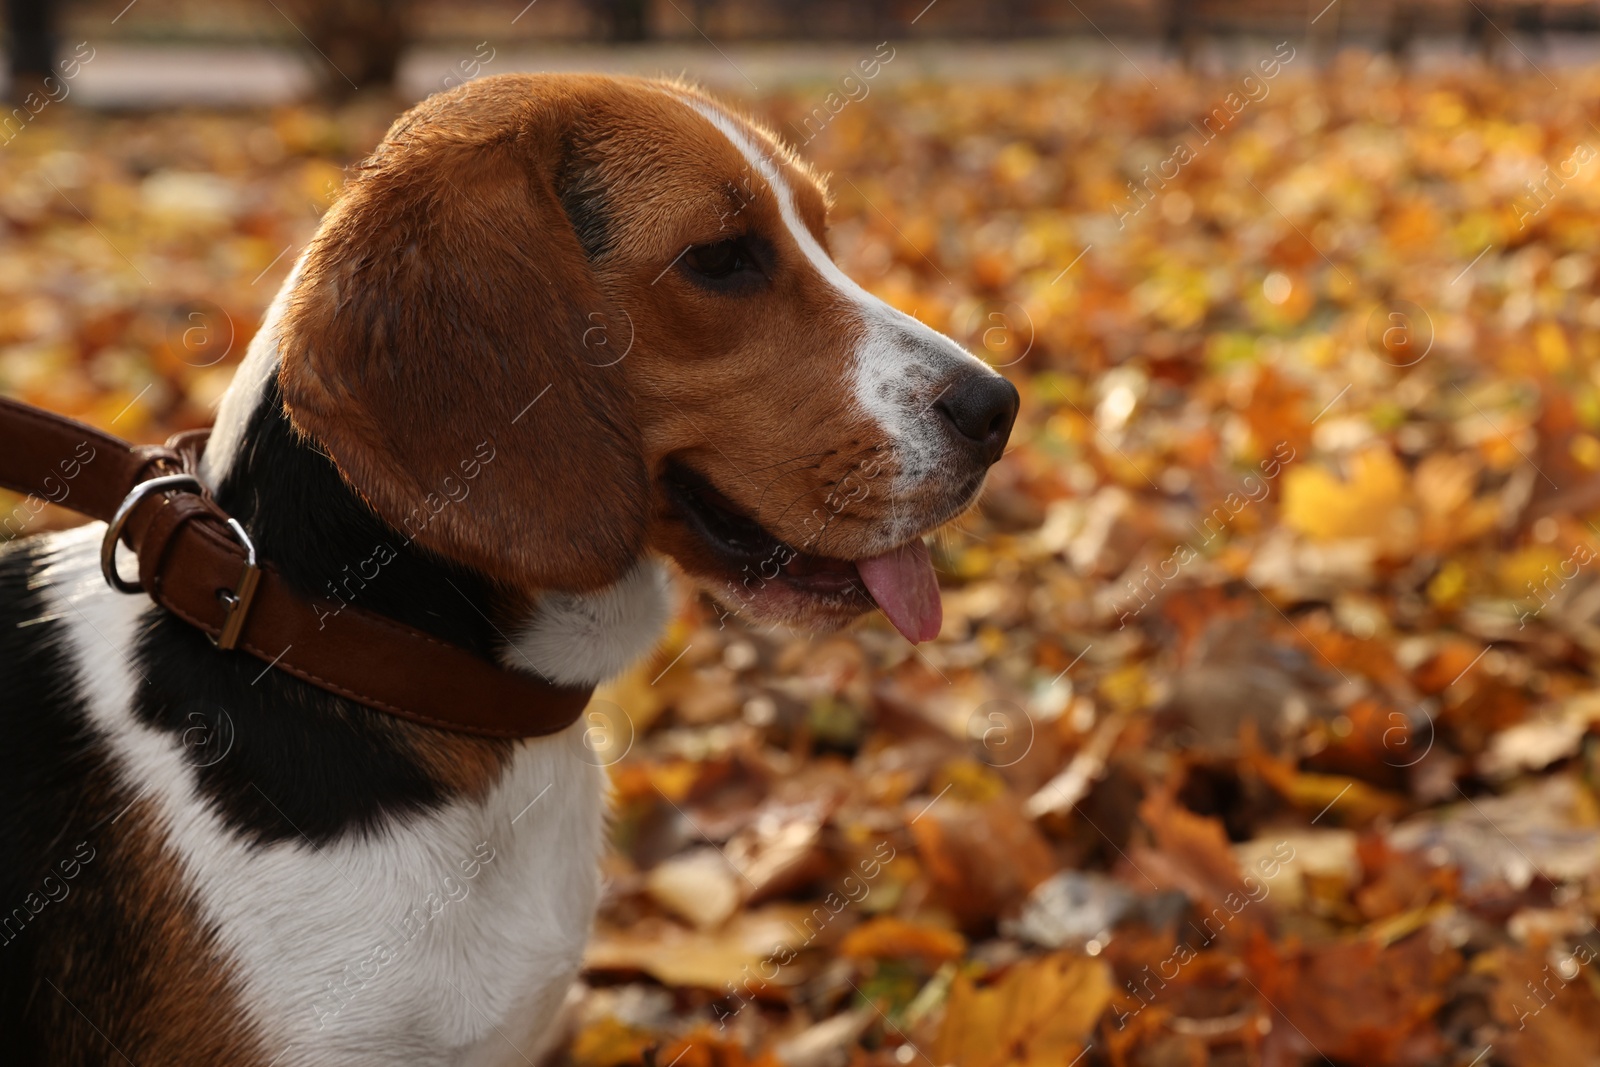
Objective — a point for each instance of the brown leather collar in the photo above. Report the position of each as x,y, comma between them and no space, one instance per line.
197,562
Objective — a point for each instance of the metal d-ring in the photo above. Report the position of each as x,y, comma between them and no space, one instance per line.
108,546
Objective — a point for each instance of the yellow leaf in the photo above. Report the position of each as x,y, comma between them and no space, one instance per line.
609,1042
1531,571
1354,802
1447,587
1325,508
1551,343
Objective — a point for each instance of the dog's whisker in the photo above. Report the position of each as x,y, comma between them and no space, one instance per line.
791,459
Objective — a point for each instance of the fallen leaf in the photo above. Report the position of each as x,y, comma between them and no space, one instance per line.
888,938
1040,1013
700,886
708,959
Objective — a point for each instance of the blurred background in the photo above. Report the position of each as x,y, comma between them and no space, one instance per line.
1262,727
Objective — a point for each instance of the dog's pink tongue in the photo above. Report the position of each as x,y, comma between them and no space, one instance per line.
906,589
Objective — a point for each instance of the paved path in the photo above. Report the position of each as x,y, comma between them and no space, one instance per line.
124,74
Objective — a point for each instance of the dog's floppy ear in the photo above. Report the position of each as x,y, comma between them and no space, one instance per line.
434,348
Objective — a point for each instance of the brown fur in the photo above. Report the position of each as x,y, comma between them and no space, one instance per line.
445,293
181,1008
448,288
464,765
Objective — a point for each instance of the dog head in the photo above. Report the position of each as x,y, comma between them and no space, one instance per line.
622,291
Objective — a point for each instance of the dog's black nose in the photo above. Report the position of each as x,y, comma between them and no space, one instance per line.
981,409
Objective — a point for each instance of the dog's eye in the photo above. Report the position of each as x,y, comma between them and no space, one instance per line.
720,260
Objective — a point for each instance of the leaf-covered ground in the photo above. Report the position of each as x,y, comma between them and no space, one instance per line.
1262,728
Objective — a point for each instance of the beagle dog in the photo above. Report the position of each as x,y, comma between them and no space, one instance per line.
557,330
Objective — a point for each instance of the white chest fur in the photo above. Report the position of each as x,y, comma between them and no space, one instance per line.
448,939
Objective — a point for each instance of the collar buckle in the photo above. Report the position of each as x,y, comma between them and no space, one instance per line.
237,600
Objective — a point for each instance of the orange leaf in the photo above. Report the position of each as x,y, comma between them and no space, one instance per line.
1040,1014
889,938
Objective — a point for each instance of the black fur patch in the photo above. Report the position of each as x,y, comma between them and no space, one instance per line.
58,792
280,758
584,202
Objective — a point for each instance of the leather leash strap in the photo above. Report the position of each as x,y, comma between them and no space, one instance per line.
198,564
